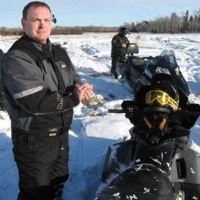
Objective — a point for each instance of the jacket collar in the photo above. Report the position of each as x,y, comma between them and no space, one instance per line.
37,44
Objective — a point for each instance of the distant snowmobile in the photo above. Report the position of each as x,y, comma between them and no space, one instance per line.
138,71
157,163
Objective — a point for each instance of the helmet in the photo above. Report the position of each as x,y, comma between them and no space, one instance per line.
132,48
123,31
163,92
161,100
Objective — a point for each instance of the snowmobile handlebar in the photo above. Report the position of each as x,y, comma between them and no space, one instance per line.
190,113
116,111
184,112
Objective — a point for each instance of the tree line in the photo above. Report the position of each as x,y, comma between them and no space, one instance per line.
170,24
174,24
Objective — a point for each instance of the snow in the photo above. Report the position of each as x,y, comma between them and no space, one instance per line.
93,128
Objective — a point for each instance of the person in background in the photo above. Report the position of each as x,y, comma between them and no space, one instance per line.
41,88
119,43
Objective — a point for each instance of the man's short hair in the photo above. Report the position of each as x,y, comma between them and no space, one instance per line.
34,4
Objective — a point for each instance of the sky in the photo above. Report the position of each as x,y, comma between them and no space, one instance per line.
93,128
98,12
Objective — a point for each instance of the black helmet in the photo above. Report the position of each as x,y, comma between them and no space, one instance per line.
163,92
162,99
123,31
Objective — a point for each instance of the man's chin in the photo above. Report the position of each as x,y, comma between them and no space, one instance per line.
42,39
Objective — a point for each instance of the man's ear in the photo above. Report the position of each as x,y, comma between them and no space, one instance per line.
23,23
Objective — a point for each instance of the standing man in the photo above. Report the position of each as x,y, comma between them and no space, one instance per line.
41,88
119,43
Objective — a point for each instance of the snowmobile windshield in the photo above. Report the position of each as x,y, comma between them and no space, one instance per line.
162,98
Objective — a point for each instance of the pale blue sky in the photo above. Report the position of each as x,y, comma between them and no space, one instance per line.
99,12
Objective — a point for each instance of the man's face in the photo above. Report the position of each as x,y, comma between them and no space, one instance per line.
38,24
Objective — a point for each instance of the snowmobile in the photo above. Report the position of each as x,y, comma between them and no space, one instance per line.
157,162
137,71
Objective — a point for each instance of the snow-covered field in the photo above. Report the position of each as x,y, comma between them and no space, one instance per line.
93,128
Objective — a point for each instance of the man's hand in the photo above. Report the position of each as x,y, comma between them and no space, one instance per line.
123,45
84,91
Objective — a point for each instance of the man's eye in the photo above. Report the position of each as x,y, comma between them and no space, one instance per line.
47,20
35,20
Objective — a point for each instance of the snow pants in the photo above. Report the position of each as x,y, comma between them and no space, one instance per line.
115,61
42,165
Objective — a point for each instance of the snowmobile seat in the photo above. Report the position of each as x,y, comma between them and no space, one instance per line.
136,67
138,63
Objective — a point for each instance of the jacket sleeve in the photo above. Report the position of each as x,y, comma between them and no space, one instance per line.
24,82
127,41
116,42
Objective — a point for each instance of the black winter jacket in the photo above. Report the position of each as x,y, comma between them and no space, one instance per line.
38,86
116,43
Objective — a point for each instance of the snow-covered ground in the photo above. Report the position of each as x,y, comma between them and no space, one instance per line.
93,128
